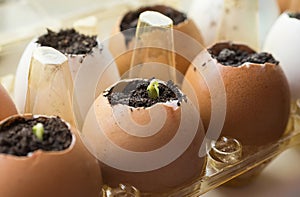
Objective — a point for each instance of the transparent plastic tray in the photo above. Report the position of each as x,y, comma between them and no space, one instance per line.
253,161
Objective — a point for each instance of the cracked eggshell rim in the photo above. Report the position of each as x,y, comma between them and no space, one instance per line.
257,96
131,158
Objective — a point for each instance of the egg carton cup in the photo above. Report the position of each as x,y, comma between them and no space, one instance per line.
235,168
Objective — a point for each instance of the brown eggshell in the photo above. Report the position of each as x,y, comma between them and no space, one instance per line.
283,4
182,170
71,172
7,106
258,99
123,53
292,5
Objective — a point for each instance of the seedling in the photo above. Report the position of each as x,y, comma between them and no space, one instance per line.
38,131
153,91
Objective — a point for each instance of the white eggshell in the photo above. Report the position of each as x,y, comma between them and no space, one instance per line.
268,13
283,42
21,80
97,71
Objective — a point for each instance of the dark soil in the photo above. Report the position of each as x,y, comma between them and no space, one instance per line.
17,138
295,15
130,19
135,94
68,41
236,57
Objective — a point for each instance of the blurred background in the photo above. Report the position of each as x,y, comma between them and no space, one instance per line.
21,20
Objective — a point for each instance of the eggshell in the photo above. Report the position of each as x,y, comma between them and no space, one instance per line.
71,172
257,97
291,5
96,62
283,4
284,43
131,142
7,106
123,53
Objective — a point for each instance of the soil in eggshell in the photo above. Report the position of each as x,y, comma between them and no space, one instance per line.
68,41
17,138
295,15
135,94
234,56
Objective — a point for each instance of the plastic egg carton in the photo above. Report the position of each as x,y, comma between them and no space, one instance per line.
217,171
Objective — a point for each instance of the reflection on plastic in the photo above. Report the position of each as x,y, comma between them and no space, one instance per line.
224,152
150,49
121,191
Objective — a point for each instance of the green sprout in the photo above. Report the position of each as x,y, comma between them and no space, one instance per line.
38,131
153,91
